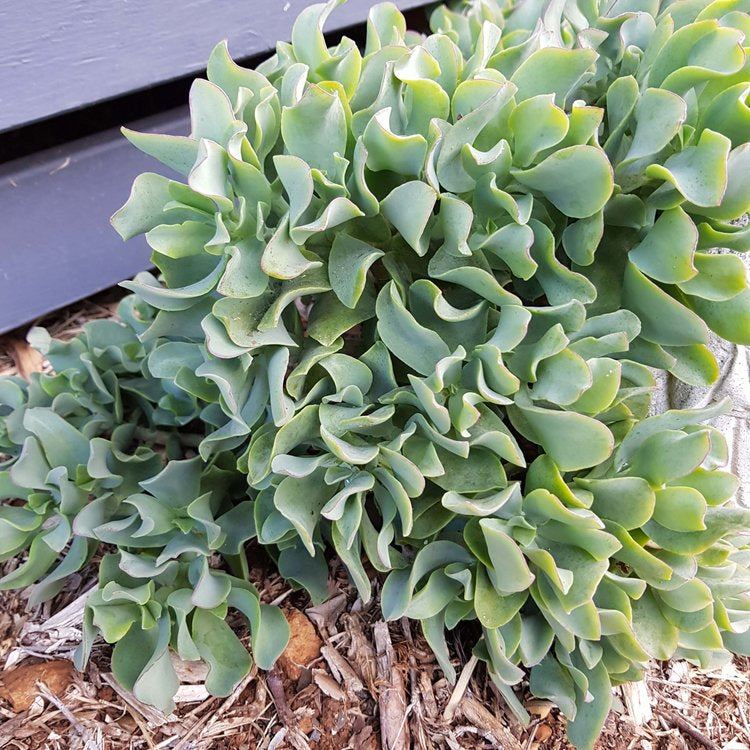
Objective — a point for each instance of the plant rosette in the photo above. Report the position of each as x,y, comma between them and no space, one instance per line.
408,305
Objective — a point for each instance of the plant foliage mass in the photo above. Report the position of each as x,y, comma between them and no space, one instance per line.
408,305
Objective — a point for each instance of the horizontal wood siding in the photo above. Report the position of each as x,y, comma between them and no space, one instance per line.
59,55
56,242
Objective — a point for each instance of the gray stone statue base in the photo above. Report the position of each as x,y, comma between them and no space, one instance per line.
733,382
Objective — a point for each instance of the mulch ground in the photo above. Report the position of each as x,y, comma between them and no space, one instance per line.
347,680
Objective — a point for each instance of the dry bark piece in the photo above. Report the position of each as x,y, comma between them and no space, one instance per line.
394,729
428,695
326,615
637,702
361,653
342,670
12,729
475,713
276,688
328,685
20,685
26,359
192,672
191,694
303,648
364,739
415,710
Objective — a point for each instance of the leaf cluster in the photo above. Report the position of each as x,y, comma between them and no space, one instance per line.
408,306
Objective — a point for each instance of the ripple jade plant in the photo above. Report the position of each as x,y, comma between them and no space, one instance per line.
407,305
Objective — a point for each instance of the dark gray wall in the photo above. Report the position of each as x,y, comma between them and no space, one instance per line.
56,243
58,55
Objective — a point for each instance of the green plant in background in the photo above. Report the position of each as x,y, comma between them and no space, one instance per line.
407,303
98,456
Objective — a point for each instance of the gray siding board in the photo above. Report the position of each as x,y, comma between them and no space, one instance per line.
56,242
60,56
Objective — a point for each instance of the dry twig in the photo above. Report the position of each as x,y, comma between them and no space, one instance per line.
394,730
458,691
81,731
685,726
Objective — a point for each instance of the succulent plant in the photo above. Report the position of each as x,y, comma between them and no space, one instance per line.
96,457
408,304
